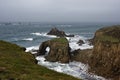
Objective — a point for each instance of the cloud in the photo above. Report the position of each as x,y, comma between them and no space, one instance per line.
60,10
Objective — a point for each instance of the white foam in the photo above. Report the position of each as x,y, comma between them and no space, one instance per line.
31,49
43,34
28,39
73,43
76,69
48,49
37,34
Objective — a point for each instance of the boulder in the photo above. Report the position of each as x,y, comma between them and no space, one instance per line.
56,32
105,58
59,50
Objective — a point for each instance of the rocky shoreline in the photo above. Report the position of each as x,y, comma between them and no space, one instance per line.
103,59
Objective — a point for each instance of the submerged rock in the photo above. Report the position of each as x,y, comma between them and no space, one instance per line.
105,58
59,50
55,31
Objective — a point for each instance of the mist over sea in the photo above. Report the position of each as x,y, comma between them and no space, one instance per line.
32,34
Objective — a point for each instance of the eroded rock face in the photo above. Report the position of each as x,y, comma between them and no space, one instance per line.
105,58
55,31
59,50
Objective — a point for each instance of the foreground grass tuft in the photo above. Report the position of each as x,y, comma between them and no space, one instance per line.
15,64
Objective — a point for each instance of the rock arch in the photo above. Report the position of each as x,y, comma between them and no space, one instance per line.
59,50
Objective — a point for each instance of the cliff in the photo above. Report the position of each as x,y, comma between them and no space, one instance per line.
105,58
15,64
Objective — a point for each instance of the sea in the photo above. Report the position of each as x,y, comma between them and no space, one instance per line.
31,34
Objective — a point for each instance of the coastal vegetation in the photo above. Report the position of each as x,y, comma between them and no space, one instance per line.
15,64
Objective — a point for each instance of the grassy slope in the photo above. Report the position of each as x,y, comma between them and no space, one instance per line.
18,65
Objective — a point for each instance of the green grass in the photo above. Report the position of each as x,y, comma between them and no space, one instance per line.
18,65
61,40
108,38
110,34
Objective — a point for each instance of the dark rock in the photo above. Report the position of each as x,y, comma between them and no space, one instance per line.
59,50
70,35
80,42
56,32
23,48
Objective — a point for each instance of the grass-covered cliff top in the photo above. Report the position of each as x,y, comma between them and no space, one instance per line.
60,40
111,34
15,64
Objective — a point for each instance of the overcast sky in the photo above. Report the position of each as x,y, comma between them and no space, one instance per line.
60,10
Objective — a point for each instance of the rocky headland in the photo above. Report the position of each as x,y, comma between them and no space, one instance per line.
103,59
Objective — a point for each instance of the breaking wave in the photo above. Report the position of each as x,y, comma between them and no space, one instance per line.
24,39
43,34
28,39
